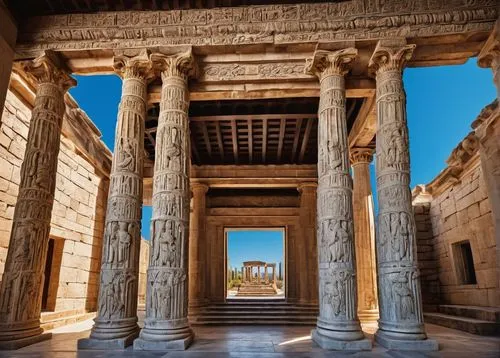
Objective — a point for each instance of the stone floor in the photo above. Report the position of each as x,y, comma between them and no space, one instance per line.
258,342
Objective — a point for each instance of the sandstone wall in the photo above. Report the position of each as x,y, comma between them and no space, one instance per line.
78,213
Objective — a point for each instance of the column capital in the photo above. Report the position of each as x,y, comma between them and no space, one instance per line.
326,63
361,155
307,186
390,55
175,65
133,64
489,57
199,188
50,68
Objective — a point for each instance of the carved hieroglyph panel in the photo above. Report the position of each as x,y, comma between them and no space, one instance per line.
279,24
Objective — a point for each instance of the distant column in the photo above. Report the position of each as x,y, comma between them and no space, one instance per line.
197,250
23,278
258,273
364,235
116,322
338,325
166,326
401,323
266,277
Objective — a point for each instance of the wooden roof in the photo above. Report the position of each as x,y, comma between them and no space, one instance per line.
278,131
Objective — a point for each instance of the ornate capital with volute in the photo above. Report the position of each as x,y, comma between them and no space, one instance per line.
201,188
327,63
361,155
175,65
390,56
50,68
133,64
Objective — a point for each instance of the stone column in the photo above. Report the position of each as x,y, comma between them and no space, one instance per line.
338,326
23,278
197,249
116,322
166,326
487,129
401,323
258,273
274,274
266,277
308,274
364,235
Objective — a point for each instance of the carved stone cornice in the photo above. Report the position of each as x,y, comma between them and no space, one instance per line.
133,64
484,122
175,65
489,57
390,56
463,152
327,63
49,68
361,155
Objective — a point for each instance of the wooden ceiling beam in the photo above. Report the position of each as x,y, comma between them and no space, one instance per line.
281,138
220,143
250,140
305,140
194,150
365,125
296,138
253,117
206,138
264,140
234,136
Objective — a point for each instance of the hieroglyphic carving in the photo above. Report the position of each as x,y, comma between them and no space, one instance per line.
117,313
337,285
279,24
167,287
22,284
399,295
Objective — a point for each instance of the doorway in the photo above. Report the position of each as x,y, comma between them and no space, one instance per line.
255,263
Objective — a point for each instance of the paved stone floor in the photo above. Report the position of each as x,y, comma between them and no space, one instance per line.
258,342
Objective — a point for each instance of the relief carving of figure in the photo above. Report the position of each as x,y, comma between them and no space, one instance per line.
26,294
339,248
396,149
39,170
124,239
113,242
112,296
127,156
167,245
162,294
400,234
334,155
333,298
173,151
403,297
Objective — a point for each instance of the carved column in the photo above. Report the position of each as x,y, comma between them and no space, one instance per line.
401,323
116,322
166,326
22,284
197,246
487,129
364,235
308,274
338,325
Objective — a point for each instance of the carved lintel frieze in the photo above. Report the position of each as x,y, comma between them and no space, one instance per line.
177,65
136,64
326,63
49,68
390,56
361,155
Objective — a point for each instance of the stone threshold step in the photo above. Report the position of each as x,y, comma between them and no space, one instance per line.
482,313
467,324
250,312
251,317
63,321
254,322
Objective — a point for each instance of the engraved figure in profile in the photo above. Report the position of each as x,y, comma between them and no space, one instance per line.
403,296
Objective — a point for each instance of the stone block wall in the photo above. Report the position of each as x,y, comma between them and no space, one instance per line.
459,213
78,213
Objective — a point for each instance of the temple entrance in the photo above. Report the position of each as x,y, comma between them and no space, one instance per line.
255,263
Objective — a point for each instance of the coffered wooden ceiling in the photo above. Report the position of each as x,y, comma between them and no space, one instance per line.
278,131
25,8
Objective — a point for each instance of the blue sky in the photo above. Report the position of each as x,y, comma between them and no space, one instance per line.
442,102
252,245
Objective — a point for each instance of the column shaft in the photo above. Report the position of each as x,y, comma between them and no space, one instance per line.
401,317
364,235
166,326
197,250
338,326
116,322
22,284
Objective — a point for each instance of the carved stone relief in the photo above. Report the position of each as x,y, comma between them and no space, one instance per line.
22,285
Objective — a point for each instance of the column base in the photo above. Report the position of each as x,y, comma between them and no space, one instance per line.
108,344
333,344
23,342
174,345
425,345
